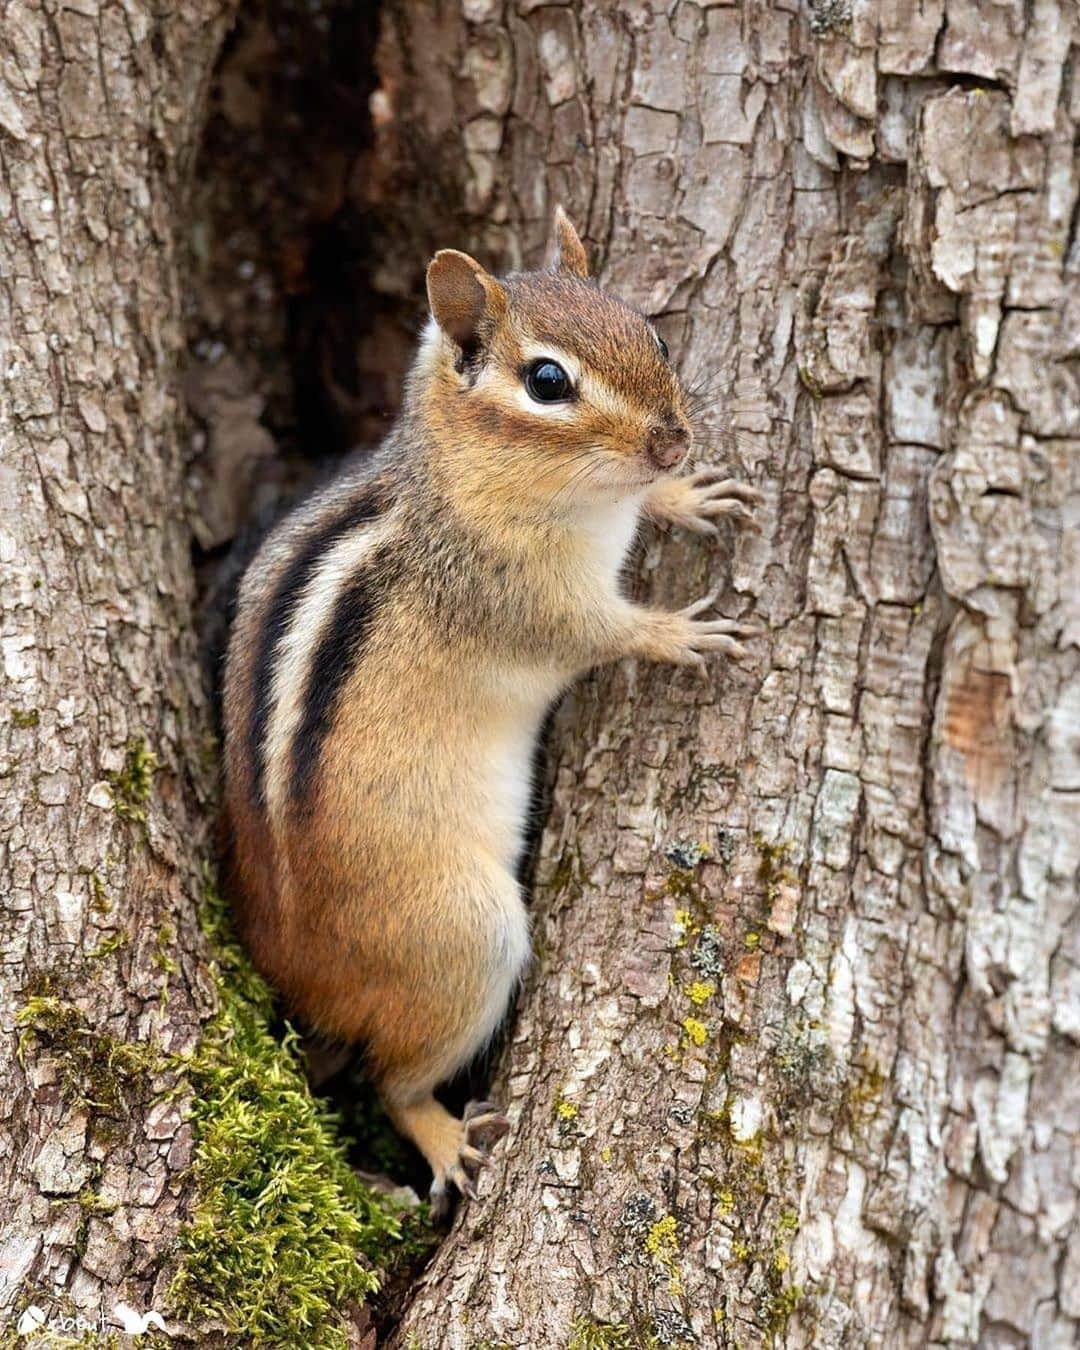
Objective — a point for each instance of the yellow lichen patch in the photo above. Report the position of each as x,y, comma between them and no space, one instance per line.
725,1203
685,927
696,1031
566,1110
700,992
776,1301
662,1240
751,941
662,1244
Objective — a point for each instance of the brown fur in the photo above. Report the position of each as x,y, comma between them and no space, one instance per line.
382,902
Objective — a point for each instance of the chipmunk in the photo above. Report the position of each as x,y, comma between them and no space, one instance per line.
398,641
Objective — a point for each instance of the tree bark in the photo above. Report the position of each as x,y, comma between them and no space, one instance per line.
103,728
797,1059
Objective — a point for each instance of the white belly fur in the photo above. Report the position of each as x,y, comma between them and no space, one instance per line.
609,529
504,752
519,697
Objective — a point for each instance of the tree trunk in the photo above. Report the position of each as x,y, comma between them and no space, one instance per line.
103,729
797,1059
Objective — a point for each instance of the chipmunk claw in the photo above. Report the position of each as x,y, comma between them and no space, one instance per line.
441,1196
720,485
463,1182
483,1125
473,1159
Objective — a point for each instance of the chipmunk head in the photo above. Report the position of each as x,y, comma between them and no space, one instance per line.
571,389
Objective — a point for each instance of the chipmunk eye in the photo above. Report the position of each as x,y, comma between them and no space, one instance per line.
547,382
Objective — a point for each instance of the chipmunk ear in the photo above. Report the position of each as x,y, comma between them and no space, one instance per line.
463,297
569,254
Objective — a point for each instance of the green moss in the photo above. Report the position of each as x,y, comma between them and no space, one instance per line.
162,956
744,1156
131,785
109,944
811,383
865,1087
285,1235
568,875
97,1070
90,1202
861,1096
682,885
776,1299
772,866
589,1335
782,1304
99,901
24,719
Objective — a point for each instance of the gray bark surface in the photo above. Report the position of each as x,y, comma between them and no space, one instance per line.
104,752
822,1087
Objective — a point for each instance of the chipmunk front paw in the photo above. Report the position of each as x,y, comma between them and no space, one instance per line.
685,639
697,501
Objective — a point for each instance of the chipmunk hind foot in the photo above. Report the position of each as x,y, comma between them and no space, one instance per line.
455,1149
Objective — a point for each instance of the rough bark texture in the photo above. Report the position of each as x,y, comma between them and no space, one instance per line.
816,1083
820,1088
100,844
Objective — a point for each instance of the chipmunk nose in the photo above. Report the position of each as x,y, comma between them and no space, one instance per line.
667,445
